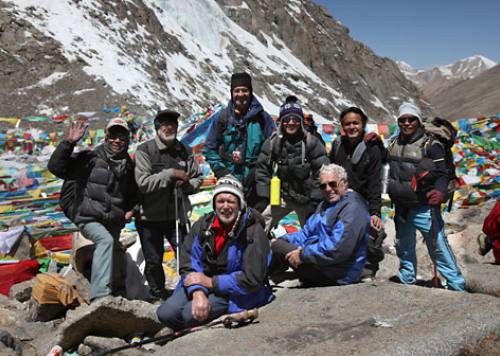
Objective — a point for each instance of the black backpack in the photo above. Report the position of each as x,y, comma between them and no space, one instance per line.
442,130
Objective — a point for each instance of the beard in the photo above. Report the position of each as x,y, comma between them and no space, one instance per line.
242,103
167,139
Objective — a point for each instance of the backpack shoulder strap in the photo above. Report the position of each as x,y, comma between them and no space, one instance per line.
358,152
222,120
336,150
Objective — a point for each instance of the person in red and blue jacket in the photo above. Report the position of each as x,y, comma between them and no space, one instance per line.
224,261
331,249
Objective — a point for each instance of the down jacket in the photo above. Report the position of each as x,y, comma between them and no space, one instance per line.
106,196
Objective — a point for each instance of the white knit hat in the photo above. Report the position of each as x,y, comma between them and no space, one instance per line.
408,108
229,184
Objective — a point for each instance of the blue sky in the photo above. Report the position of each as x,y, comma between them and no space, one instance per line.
423,33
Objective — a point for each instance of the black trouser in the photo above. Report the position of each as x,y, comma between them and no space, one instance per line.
375,253
310,275
152,234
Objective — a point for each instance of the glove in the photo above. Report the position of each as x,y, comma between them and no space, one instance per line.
371,137
434,197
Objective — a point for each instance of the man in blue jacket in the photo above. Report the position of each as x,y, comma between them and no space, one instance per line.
331,248
223,260
237,133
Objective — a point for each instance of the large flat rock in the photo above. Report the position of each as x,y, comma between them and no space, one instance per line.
365,319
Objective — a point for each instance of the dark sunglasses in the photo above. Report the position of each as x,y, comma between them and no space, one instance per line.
286,120
122,138
409,120
332,184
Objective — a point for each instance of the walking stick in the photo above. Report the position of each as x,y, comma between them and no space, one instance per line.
229,321
176,206
434,233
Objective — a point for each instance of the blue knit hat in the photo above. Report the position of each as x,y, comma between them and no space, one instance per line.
291,109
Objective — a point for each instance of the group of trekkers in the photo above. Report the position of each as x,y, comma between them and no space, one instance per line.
264,171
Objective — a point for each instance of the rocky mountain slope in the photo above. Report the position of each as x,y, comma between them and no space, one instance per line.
437,79
471,98
80,55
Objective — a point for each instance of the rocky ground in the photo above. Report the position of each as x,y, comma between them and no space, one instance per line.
375,318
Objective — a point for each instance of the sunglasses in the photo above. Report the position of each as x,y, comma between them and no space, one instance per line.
286,120
332,184
122,138
409,120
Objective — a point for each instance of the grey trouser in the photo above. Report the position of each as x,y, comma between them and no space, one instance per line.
108,262
273,214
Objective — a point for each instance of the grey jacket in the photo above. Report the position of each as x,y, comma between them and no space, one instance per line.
154,173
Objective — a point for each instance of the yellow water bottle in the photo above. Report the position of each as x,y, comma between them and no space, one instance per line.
275,191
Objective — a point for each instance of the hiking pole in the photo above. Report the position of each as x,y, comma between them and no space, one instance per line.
229,321
434,242
176,206
185,214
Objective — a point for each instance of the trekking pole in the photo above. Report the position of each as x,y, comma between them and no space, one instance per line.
434,241
229,321
186,218
176,206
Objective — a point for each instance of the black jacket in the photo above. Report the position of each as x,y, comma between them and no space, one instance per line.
106,196
404,156
299,178
363,177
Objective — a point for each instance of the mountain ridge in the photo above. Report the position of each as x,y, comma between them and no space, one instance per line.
81,55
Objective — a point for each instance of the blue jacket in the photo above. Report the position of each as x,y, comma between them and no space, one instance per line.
245,134
239,271
336,238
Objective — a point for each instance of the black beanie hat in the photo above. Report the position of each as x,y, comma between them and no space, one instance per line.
165,115
241,80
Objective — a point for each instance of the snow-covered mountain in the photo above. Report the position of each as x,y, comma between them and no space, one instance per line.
436,79
81,55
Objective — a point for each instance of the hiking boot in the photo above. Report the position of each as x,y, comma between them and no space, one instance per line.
157,295
484,244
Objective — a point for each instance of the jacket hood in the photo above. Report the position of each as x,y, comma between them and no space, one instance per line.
254,108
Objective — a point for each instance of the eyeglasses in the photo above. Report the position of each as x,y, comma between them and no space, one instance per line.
332,184
409,120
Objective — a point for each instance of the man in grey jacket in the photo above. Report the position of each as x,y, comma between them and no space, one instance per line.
165,170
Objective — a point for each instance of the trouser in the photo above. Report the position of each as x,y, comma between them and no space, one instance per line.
407,222
375,252
108,261
273,214
176,311
310,275
151,235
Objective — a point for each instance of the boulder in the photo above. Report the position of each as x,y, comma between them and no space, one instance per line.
364,319
483,278
109,317
21,291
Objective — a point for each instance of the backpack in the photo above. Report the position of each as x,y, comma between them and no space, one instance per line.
358,151
442,131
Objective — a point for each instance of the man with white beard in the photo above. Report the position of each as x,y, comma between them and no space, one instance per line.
165,169
236,135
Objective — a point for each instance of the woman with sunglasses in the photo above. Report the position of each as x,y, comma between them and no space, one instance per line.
295,157
406,155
